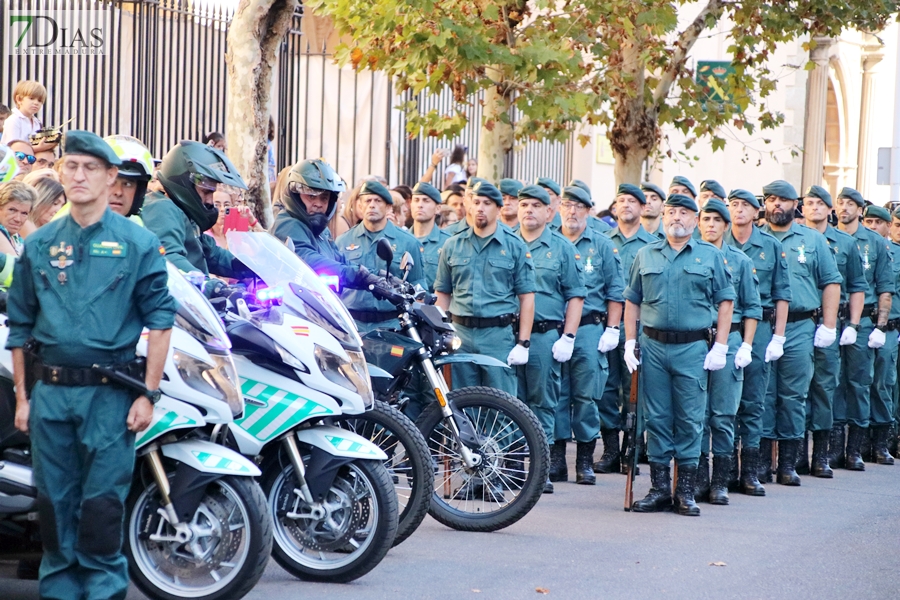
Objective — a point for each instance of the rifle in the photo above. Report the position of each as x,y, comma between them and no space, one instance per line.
633,431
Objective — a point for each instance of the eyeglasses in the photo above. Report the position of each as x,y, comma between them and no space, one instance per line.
573,206
71,167
29,157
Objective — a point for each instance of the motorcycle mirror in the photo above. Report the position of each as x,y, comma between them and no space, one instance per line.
290,244
384,251
406,263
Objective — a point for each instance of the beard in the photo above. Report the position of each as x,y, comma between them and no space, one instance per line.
680,231
779,219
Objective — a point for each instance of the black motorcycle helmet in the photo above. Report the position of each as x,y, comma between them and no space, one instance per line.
192,164
312,177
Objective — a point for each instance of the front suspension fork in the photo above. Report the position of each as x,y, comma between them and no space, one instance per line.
436,380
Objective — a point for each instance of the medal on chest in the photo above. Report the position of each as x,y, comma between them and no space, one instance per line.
801,254
589,266
866,264
61,256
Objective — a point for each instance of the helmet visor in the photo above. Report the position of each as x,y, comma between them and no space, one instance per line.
204,182
296,187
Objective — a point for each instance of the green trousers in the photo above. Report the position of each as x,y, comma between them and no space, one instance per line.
882,391
491,341
539,381
617,387
725,387
83,461
583,380
673,390
784,416
851,399
753,392
825,379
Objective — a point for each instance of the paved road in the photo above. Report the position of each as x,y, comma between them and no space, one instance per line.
827,539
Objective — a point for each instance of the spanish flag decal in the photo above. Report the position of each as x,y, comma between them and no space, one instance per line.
300,330
397,351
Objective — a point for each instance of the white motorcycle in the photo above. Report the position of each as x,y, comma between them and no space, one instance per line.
196,523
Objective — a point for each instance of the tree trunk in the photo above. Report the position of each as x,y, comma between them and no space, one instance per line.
496,135
628,166
635,132
254,37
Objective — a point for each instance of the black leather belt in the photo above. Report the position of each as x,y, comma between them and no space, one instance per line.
676,337
593,318
86,376
374,316
793,317
736,326
481,323
545,326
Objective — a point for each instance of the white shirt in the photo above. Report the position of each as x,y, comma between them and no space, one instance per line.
19,127
459,176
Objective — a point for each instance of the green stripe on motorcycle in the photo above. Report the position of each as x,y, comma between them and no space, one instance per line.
213,461
166,422
274,410
346,445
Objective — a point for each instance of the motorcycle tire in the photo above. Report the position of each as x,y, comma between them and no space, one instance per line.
408,464
301,551
514,467
159,569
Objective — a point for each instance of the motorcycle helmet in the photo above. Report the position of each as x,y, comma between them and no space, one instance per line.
191,164
137,164
9,168
312,177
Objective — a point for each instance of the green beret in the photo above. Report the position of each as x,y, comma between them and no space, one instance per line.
631,190
536,192
549,184
745,196
651,187
684,181
487,189
817,191
426,189
78,141
852,194
510,187
711,185
578,195
374,187
683,201
580,184
780,188
717,206
473,181
876,212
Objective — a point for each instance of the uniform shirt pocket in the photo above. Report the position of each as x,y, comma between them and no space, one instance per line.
697,279
653,285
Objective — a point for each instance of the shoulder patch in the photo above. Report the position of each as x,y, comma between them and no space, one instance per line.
352,247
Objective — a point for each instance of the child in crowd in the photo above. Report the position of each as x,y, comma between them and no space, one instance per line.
29,97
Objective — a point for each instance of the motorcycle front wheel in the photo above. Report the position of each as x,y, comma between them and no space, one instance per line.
508,481
227,554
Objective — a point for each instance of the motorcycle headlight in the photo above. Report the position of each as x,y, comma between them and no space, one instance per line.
218,379
290,360
353,375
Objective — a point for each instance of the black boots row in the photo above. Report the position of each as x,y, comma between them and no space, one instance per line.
660,496
875,441
584,473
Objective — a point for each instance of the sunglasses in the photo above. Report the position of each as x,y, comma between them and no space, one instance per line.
29,157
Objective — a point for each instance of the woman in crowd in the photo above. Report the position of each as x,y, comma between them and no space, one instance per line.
50,198
16,201
456,170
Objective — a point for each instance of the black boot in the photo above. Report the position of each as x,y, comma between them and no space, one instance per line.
684,492
865,451
802,466
892,438
836,447
787,458
701,484
880,435
750,484
610,461
765,460
559,471
820,467
855,437
583,457
718,487
660,496
734,475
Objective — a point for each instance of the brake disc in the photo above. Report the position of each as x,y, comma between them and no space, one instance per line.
343,515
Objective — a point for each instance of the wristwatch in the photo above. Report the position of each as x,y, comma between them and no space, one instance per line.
153,396
524,343
853,326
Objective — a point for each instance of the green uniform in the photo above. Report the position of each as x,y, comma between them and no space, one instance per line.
558,278
851,399
319,252
812,268
432,244
726,385
882,392
598,225
556,222
618,383
827,373
770,264
358,246
186,246
660,232
584,375
677,292
85,294
485,276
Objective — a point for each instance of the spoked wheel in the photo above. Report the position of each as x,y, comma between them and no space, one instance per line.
510,478
231,538
341,538
408,464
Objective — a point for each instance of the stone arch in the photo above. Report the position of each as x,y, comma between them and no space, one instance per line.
839,164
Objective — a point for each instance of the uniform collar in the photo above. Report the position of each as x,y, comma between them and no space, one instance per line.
390,231
105,219
434,236
545,237
640,234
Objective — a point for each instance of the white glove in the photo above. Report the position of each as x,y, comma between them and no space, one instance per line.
631,361
609,340
517,356
716,358
848,337
825,336
775,349
876,338
562,349
744,356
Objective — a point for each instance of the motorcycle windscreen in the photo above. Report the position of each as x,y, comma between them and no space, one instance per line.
195,314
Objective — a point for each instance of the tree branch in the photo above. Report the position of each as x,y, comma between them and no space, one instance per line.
683,46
